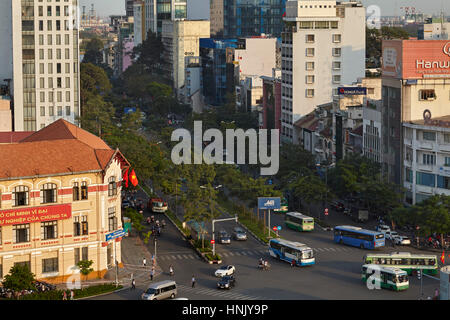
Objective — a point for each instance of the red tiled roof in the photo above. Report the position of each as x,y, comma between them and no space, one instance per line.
59,148
62,129
14,136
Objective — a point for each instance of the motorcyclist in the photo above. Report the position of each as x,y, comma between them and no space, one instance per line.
148,220
163,223
171,270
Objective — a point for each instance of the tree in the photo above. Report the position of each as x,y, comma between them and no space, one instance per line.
149,53
94,52
310,189
374,39
19,278
85,267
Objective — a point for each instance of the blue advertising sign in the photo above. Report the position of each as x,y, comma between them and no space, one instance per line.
352,91
269,203
129,110
115,234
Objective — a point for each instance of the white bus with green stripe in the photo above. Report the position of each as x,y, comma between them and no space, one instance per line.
406,261
299,222
379,277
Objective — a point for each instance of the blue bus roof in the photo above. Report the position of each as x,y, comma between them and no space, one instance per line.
357,229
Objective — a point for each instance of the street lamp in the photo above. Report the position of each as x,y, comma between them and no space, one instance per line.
213,237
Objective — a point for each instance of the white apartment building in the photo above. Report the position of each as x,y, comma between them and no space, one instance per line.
436,30
426,158
140,30
158,11
181,39
40,53
323,46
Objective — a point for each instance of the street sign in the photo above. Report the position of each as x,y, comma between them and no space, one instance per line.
269,203
213,241
115,234
352,91
279,228
275,228
326,211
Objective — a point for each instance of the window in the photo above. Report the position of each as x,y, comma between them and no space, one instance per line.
337,38
443,182
42,86
76,257
50,68
58,25
370,90
67,54
429,136
49,11
310,66
336,65
305,25
84,226
309,93
51,111
112,187
76,191
59,96
428,159
41,54
58,68
60,111
50,54
336,79
67,82
409,175
58,39
67,67
66,39
42,96
427,95
309,79
334,24
49,25
50,265
68,100
41,11
425,179
59,85
58,54
322,24
84,188
20,196
50,94
76,227
310,52
41,25
112,219
447,162
49,230
310,38
58,11
48,193
85,253
447,137
21,233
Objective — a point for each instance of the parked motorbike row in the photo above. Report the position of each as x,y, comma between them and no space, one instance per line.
38,286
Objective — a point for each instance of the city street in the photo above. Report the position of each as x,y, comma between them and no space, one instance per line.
336,274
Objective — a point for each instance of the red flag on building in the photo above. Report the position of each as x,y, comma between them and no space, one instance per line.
443,257
125,177
133,178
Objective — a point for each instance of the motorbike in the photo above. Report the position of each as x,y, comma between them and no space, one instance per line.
163,223
263,266
171,271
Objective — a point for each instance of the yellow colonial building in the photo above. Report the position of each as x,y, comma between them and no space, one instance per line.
60,195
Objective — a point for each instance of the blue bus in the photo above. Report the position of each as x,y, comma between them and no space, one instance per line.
289,250
358,237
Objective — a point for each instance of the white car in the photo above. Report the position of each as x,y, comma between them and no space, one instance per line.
225,271
383,228
390,235
402,240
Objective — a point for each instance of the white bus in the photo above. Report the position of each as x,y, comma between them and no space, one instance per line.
383,277
290,251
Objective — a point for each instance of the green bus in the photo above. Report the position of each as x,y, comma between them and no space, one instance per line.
299,222
405,261
384,278
283,207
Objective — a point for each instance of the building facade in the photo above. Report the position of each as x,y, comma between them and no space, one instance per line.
60,191
40,49
159,10
323,46
233,18
140,28
436,29
414,80
271,109
181,39
426,154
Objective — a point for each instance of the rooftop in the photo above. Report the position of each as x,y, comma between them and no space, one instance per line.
60,148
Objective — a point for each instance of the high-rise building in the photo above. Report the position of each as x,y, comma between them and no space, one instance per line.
234,18
323,46
415,83
156,11
181,39
40,52
129,8
140,28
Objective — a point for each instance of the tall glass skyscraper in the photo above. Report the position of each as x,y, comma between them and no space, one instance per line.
243,18
158,10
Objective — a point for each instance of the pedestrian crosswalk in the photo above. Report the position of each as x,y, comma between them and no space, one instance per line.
171,256
228,294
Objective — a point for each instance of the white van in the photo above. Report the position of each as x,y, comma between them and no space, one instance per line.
160,290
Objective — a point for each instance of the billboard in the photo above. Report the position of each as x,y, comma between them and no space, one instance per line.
352,91
416,59
35,214
269,203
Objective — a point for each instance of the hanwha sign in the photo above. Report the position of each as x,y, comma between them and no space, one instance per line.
447,48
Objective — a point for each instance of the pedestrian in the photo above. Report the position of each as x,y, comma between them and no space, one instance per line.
64,295
193,281
144,262
292,263
133,284
436,294
71,294
151,275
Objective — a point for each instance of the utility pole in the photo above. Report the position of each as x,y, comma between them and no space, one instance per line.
219,220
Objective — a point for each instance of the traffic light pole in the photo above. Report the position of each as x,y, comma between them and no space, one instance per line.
213,237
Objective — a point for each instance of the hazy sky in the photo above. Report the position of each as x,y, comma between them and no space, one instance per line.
199,9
